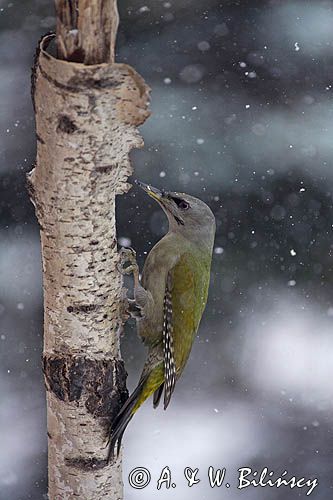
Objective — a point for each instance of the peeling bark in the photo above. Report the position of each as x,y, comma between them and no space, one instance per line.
86,125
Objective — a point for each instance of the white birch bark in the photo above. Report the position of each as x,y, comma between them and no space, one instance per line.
86,123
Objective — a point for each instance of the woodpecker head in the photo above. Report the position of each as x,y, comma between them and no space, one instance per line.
185,213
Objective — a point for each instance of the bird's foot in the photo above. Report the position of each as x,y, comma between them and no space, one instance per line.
134,309
129,308
128,265
128,256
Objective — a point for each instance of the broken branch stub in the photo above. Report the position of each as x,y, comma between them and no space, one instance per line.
86,124
86,30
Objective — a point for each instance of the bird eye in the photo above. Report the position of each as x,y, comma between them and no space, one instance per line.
183,205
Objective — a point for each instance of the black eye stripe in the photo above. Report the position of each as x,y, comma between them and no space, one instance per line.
179,221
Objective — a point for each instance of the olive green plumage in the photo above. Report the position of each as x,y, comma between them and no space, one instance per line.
189,289
170,299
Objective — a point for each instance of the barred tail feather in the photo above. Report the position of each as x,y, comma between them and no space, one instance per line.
170,371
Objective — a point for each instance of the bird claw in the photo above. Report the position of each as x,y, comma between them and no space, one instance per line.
134,309
127,255
129,308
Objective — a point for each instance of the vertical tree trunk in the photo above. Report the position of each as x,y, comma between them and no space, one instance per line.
86,123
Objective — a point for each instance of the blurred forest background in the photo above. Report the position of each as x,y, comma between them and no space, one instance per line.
243,118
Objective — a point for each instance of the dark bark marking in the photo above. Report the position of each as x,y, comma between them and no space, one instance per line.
56,83
77,56
86,464
84,308
78,84
66,125
100,383
92,83
104,169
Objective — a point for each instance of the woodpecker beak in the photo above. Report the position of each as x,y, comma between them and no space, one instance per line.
163,198
154,193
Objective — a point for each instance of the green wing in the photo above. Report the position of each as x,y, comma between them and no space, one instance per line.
189,282
184,302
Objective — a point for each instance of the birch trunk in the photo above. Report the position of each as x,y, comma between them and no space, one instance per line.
86,125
